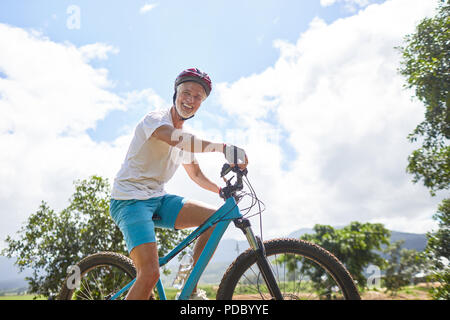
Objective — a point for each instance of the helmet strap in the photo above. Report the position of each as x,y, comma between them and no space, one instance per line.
184,119
176,110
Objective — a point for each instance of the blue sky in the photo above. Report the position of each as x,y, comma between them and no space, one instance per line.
310,89
227,39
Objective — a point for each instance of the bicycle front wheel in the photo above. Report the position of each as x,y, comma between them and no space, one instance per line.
303,271
100,275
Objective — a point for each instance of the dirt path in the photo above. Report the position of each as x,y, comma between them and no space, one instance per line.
418,292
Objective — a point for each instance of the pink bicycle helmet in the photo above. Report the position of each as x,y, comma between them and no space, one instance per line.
194,74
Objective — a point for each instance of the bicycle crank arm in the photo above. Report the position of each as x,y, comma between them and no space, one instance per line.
261,260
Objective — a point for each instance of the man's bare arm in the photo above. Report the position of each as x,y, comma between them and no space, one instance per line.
195,173
185,141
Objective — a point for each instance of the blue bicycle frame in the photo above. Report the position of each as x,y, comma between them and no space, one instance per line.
221,218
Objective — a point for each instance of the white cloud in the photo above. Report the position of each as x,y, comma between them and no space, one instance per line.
351,5
326,3
361,3
49,97
148,7
334,97
338,94
97,51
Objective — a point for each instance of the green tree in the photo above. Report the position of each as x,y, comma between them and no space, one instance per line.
438,251
425,65
354,245
52,241
402,265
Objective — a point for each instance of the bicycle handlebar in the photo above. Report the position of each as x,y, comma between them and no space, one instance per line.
230,189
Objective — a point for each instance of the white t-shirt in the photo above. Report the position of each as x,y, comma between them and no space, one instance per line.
149,162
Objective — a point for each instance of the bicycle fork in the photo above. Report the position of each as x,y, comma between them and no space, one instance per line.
261,260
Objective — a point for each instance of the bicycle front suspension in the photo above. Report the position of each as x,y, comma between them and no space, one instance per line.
261,260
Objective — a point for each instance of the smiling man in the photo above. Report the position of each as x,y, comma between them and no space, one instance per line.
157,149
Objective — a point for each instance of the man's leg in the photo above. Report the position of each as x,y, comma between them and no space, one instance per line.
193,214
145,258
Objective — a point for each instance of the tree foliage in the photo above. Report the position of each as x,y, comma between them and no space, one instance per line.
426,67
438,251
354,245
52,241
402,265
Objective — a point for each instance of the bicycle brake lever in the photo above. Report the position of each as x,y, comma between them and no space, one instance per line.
226,168
228,182
239,171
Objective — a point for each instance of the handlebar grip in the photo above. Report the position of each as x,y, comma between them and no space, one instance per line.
226,168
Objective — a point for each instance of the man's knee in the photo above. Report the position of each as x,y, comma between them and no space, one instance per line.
145,258
148,274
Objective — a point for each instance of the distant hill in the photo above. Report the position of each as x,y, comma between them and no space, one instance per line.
10,277
412,240
226,252
415,241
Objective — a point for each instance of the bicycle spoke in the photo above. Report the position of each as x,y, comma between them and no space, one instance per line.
294,275
87,294
99,283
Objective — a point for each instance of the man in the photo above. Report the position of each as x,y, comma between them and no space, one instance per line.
155,152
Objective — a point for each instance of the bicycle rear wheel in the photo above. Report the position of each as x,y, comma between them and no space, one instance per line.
303,271
101,276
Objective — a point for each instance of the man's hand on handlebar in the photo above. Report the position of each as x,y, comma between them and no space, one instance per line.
237,161
230,189
235,156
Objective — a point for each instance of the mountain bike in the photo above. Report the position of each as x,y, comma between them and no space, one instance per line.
279,269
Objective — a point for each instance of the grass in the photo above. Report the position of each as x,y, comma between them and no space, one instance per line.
406,293
414,292
210,291
21,297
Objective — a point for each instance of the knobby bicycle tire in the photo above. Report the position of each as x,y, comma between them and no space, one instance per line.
99,260
279,248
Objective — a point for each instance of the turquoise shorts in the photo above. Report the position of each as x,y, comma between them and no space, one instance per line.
135,217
